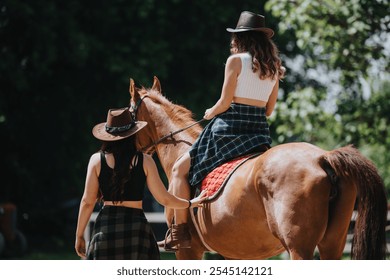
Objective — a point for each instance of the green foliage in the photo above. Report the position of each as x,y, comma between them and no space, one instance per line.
301,118
369,123
344,35
65,63
343,44
369,127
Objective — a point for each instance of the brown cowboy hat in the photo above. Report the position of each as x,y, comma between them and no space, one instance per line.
249,21
119,125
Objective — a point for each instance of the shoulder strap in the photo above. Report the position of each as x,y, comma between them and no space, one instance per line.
140,159
245,62
140,162
137,160
103,161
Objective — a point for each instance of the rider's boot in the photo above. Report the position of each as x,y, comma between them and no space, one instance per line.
177,236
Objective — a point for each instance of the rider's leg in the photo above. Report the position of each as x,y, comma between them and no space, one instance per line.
180,236
180,185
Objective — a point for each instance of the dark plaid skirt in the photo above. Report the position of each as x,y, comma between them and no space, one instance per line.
241,130
122,233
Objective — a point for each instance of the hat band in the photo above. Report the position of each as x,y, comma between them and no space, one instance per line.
119,129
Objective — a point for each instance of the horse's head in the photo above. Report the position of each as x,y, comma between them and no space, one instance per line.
147,136
171,130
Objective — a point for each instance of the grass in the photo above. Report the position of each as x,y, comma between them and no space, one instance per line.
68,253
71,255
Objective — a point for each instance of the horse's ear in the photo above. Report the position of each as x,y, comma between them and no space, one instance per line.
133,91
156,84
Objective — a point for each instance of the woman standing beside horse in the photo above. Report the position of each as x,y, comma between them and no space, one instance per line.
117,175
239,124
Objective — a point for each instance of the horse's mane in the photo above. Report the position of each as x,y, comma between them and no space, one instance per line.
179,114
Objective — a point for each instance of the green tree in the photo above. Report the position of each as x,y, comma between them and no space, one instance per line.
342,50
64,63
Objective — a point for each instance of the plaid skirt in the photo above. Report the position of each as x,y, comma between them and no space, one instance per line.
122,233
241,130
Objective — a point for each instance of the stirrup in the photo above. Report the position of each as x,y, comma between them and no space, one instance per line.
177,236
167,247
163,243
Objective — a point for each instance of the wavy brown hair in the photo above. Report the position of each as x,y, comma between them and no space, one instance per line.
264,52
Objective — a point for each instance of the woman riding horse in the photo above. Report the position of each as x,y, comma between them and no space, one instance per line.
239,124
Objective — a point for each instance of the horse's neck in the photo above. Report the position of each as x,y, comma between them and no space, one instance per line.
171,149
169,119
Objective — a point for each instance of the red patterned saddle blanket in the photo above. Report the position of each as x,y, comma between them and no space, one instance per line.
217,178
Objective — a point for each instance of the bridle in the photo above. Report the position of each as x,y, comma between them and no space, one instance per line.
134,112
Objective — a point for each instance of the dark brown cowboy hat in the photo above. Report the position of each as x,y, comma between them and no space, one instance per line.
249,21
119,125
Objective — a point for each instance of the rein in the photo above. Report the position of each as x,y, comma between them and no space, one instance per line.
165,137
170,135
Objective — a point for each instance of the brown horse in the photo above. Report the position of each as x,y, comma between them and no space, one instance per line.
295,197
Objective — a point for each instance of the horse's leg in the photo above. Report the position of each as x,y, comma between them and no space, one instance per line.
340,212
305,232
298,212
194,253
305,227
189,254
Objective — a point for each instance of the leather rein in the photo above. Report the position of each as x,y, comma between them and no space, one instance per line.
134,111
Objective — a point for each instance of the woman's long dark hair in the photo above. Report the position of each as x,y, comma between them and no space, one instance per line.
264,52
123,151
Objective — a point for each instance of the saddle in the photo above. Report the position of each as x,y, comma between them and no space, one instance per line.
214,182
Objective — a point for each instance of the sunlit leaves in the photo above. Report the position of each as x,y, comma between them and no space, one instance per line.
341,28
347,38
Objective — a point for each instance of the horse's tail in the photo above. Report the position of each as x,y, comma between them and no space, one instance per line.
369,241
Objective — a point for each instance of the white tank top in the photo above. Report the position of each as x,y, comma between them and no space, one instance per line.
249,84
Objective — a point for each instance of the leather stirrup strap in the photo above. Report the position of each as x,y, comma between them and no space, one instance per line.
196,224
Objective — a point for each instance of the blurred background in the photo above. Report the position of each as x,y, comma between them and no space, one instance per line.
63,64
